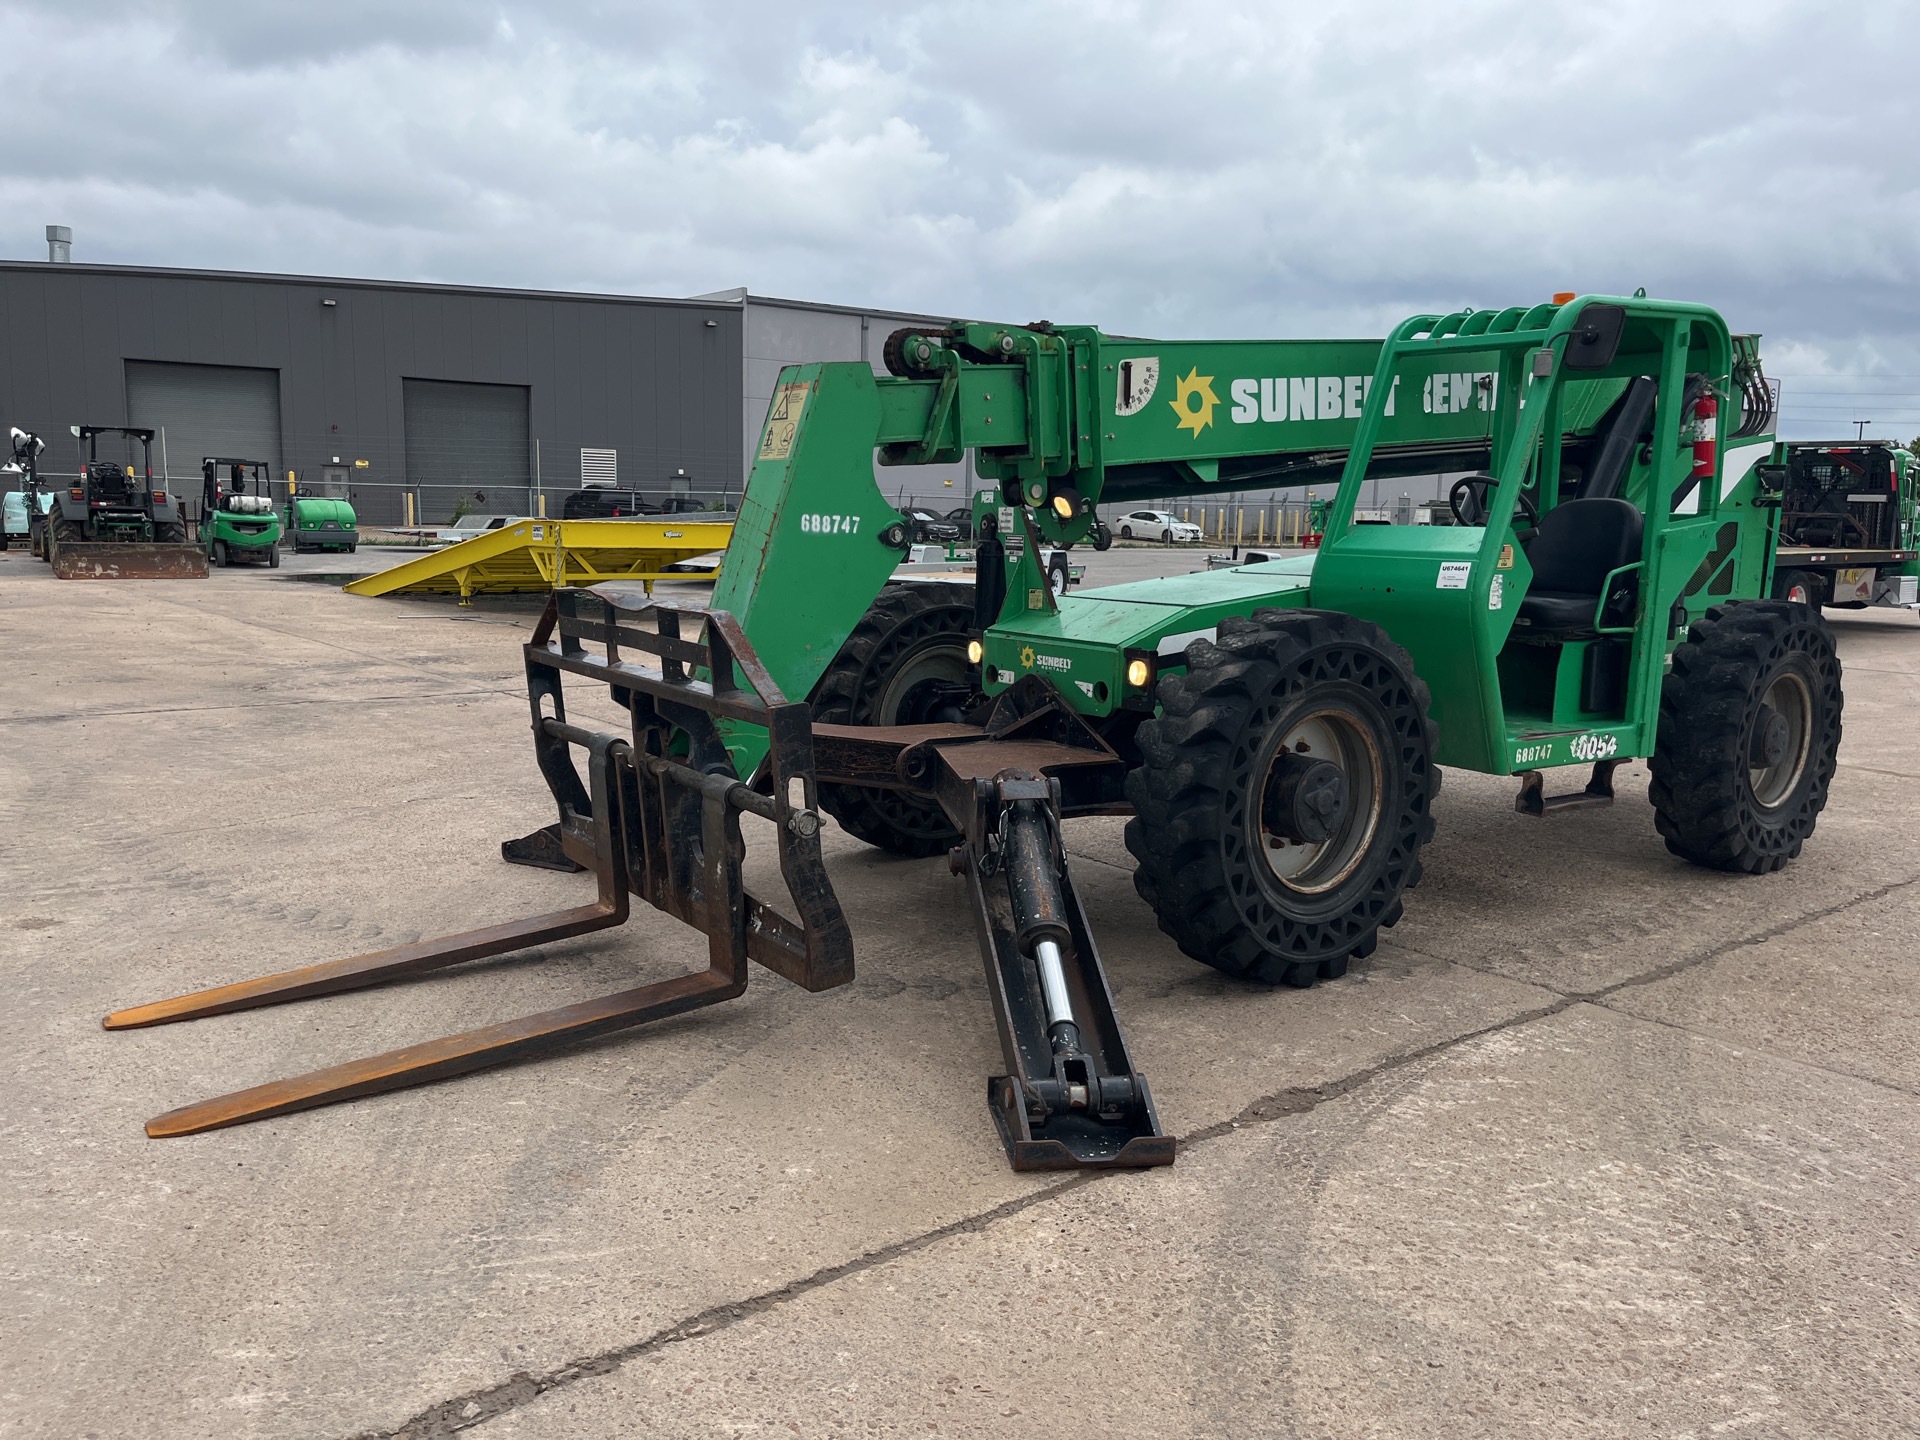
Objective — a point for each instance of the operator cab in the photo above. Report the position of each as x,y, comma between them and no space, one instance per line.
1608,517
1568,659
235,487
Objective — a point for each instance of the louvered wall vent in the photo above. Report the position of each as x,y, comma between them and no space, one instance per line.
599,467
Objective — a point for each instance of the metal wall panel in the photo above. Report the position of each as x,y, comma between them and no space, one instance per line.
204,410
658,380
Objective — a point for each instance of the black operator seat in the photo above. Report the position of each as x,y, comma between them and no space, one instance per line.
1580,540
1577,544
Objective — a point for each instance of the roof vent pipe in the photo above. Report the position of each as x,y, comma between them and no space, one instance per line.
59,245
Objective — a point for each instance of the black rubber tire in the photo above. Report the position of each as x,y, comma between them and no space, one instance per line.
273,557
1126,532
352,548
59,531
909,623
1803,587
1059,573
218,556
172,532
1704,798
1199,865
1102,538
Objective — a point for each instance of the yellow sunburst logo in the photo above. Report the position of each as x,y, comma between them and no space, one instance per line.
1026,657
1193,401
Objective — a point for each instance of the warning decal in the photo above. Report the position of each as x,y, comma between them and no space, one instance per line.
783,420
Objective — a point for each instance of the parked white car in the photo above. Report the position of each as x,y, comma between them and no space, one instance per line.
1154,525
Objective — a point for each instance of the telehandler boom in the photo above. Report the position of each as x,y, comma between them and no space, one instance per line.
1275,731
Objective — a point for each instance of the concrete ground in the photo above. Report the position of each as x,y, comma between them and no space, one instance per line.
1595,1144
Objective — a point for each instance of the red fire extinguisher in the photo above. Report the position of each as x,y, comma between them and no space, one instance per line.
1706,415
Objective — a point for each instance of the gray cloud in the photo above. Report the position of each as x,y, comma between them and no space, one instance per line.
1211,168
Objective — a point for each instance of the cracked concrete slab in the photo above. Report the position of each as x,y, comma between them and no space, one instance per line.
281,774
1844,995
1582,1224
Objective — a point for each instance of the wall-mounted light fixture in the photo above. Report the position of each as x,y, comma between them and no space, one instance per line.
329,304
713,324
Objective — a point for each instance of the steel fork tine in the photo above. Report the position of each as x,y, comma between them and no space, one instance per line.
358,971
451,1055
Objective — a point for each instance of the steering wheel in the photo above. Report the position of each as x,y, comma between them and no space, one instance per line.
1468,501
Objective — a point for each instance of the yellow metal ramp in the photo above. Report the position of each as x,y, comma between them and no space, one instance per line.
541,555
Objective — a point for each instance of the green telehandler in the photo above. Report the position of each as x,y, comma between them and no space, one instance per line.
1275,732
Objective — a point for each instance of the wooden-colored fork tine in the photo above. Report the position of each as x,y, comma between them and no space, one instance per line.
358,971
452,1055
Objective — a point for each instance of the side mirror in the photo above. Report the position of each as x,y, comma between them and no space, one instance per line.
1592,344
1772,478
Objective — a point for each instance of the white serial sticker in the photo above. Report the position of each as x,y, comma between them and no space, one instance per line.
1454,575
1594,747
1495,591
539,532
813,524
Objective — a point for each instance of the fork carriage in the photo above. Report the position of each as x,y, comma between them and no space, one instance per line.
658,816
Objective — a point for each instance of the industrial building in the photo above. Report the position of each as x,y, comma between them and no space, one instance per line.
414,399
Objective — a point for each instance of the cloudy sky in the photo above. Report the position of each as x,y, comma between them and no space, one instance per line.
1184,169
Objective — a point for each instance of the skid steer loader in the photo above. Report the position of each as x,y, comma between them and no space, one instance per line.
1275,731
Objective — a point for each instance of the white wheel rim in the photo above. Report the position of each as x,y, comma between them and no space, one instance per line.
1791,698
1314,868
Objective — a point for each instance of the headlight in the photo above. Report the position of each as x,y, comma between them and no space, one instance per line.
1138,673
975,650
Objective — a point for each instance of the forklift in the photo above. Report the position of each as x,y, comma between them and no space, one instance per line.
238,524
1275,732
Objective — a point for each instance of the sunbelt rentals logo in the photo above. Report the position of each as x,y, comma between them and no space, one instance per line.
1193,401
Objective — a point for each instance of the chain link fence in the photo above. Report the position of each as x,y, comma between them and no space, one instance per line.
1278,517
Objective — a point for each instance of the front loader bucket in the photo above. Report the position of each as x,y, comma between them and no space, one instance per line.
109,560
658,817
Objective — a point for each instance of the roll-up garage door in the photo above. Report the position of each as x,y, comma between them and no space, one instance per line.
205,410
466,434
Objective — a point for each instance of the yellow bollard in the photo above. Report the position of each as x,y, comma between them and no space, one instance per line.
1239,525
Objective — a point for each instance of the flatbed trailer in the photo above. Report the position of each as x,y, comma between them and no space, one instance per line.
1849,525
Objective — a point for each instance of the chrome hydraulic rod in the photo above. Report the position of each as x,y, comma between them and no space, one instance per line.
1053,985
